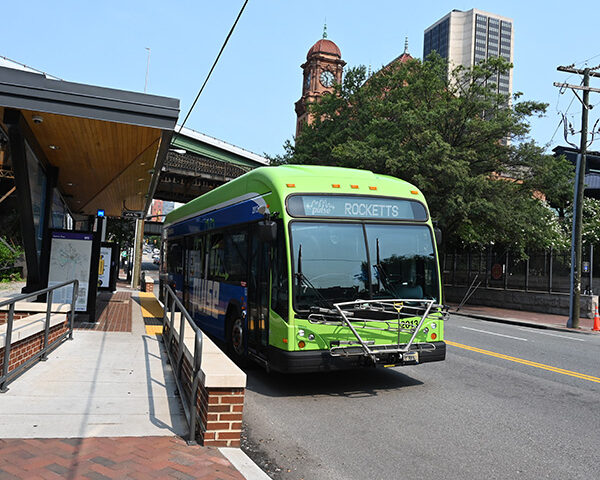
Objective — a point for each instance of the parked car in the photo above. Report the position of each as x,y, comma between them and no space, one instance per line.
156,250
156,259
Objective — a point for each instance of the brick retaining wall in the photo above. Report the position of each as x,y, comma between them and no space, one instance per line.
219,410
16,316
25,349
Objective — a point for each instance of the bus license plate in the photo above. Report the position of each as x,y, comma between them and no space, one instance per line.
411,357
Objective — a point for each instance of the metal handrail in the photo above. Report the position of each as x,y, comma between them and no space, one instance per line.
189,406
7,376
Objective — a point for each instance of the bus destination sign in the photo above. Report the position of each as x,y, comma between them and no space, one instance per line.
355,206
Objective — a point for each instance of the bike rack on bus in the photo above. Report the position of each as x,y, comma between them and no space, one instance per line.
171,304
392,315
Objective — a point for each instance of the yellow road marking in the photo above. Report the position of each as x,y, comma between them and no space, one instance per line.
150,306
154,329
583,376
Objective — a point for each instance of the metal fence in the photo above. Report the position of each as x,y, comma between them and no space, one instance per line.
547,271
173,337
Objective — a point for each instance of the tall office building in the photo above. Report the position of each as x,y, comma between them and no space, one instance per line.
466,38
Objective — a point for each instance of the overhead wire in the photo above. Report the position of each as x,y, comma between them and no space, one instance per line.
214,65
563,115
588,59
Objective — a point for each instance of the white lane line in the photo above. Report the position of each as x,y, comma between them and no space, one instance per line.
494,333
551,334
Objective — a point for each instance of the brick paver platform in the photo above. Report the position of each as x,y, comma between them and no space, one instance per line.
111,458
113,313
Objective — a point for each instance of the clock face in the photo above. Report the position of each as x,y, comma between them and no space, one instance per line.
327,78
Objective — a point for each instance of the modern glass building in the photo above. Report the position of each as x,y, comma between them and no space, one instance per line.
466,38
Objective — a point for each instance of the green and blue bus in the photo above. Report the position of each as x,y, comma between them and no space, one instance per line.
310,268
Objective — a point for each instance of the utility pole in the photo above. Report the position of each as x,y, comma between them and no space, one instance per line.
576,257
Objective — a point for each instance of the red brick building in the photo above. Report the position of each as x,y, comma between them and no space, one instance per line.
323,68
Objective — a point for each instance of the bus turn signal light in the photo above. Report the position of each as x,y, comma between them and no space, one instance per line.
285,340
433,336
301,344
414,192
290,185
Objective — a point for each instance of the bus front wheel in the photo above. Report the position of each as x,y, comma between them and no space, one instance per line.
235,340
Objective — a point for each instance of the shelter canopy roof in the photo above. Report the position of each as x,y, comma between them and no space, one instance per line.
108,144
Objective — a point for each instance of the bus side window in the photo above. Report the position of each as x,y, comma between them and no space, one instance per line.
236,255
216,258
279,286
174,260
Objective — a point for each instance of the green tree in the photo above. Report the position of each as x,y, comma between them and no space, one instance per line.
121,231
9,254
451,134
591,221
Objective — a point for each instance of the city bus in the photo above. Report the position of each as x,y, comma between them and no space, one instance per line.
310,268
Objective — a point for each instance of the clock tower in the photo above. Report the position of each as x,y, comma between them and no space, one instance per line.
323,68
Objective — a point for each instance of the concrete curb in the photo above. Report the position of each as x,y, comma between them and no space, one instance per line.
243,464
522,323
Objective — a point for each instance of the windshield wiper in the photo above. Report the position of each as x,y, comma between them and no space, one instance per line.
304,279
383,276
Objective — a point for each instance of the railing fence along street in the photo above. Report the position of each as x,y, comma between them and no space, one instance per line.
547,271
9,375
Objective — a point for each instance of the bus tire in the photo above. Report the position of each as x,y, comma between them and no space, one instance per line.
235,337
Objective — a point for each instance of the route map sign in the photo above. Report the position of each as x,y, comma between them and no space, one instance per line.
71,258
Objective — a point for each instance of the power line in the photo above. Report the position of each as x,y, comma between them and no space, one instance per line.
587,60
214,65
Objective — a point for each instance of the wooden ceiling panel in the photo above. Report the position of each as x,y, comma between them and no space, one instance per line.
100,163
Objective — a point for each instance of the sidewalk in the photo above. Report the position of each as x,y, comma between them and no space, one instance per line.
520,317
104,406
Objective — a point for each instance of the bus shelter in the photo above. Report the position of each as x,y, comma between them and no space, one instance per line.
76,152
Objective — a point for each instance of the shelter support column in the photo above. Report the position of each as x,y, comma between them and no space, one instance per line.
137,254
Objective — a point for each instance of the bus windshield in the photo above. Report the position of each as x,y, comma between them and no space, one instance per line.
340,262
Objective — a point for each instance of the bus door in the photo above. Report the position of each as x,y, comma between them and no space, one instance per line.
258,296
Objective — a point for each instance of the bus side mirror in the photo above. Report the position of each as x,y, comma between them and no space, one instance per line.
438,236
267,231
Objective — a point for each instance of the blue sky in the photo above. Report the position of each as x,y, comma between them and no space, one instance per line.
249,100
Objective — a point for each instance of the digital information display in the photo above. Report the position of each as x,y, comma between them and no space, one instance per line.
355,206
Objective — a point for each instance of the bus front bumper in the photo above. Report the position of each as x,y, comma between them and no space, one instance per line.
323,361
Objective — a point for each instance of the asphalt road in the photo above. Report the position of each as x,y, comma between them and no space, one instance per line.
149,267
499,407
